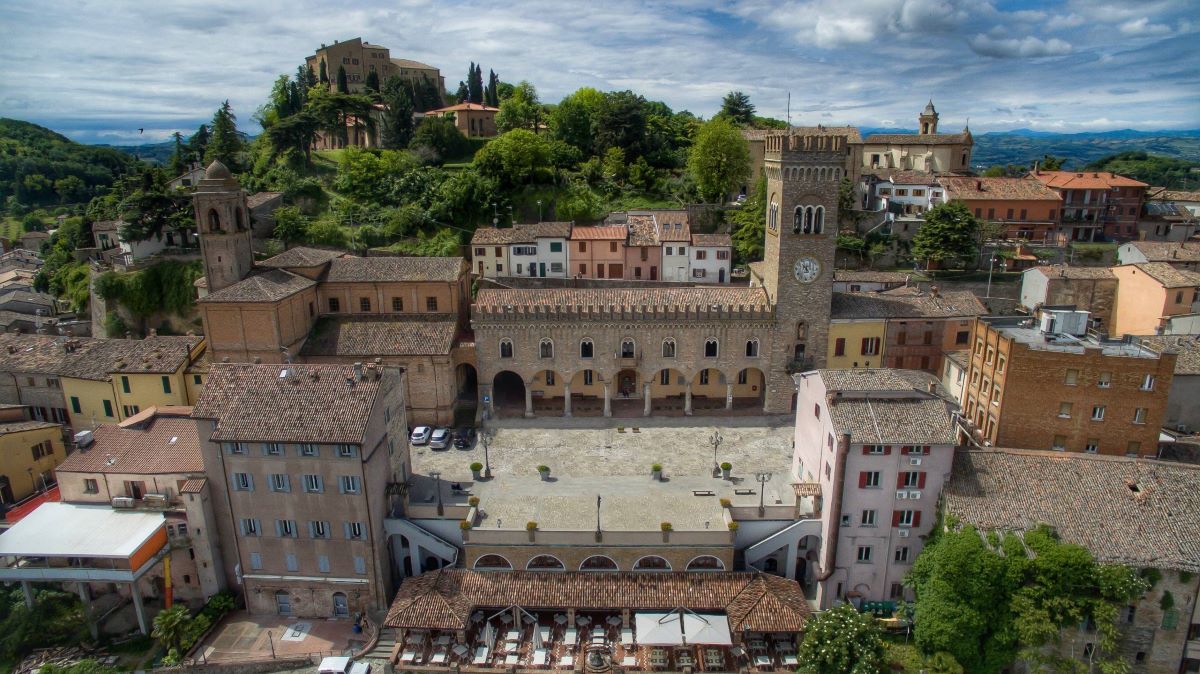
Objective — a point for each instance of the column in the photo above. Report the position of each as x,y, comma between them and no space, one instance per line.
567,399
607,400
646,404
729,396
528,402
687,399
138,608
792,553
27,590
85,596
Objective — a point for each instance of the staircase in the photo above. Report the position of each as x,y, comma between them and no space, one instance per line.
429,542
383,646
792,532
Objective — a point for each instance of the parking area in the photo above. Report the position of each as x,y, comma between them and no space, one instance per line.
242,637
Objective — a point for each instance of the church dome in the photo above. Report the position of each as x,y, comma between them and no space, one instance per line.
217,171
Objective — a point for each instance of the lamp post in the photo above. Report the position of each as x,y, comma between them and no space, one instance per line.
763,479
715,440
437,477
511,222
486,437
991,266
539,202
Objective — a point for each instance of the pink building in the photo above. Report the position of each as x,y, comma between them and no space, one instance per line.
598,252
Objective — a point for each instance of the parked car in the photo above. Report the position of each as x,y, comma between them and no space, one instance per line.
441,438
464,438
339,665
420,435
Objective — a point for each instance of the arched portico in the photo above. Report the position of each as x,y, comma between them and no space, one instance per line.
546,393
509,394
668,389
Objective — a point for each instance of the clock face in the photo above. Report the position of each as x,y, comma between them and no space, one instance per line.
807,270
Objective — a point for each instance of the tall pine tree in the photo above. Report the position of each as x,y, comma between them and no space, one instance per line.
324,73
461,94
343,84
197,145
372,82
225,144
178,164
492,95
398,117
475,83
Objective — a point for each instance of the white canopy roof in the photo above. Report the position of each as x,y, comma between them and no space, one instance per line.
680,627
68,530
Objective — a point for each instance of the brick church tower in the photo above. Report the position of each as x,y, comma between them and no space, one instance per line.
803,175
223,223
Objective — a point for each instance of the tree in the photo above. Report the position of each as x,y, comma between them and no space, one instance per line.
1051,163
296,133
475,83
719,160
520,111
171,626
178,163
324,73
343,82
197,145
515,158
573,119
462,94
948,236
226,144
750,224
736,107
620,121
290,225
842,641
372,82
491,96
398,115
437,139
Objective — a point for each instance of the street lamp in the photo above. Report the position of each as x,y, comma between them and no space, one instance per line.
539,202
763,479
715,440
486,437
991,266
437,476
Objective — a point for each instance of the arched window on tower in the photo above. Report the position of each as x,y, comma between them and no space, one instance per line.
585,348
506,348
546,349
627,348
214,220
798,220
818,225
668,350
752,348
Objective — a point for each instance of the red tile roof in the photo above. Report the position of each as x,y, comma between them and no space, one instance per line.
1014,189
601,233
752,602
1084,180
465,106
157,442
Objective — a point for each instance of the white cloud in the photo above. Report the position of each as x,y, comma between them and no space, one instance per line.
1142,27
1026,47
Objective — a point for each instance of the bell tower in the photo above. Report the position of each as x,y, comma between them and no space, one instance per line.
223,223
803,176
928,120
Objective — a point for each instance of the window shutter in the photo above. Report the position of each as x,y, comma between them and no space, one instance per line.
346,529
866,450
862,479
895,518
900,480
904,449
916,518
865,342
887,449
921,480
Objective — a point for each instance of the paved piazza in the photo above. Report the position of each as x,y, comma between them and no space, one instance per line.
589,461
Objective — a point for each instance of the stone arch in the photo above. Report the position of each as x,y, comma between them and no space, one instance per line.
587,392
546,348
706,563
492,562
712,347
708,389
508,393
667,389
599,563
546,391
652,563
214,220
669,347
545,563
587,348
818,226
506,348
466,379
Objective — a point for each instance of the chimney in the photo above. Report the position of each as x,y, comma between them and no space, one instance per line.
933,290
128,335
1037,168
931,386
153,333
358,371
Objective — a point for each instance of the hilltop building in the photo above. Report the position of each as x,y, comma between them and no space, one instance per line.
927,150
361,58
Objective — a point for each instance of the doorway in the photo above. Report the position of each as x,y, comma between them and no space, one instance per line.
283,603
341,608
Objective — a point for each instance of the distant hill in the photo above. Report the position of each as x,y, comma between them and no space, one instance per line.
1024,146
39,167
154,153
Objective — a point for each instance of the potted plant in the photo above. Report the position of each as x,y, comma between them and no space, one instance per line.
531,527
656,471
666,531
476,469
726,468
465,526
544,471
733,527
725,503
473,501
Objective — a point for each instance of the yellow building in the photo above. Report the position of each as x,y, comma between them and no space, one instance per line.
1155,298
29,452
856,343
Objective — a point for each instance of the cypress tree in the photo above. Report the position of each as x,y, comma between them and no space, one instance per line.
475,83
198,144
372,83
343,84
461,94
493,97
225,144
398,118
177,165
324,73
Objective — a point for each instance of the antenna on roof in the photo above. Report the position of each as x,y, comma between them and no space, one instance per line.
789,111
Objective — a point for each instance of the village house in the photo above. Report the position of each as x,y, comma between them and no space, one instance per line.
1183,414
472,120
1095,205
1181,255
29,452
1021,208
1091,289
1154,298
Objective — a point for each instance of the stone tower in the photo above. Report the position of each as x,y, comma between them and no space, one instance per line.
803,174
223,223
928,120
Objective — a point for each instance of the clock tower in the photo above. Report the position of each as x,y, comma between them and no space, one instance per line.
804,171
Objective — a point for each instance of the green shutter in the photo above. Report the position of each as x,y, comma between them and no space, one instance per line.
166,384
1170,619
108,408
75,405
125,383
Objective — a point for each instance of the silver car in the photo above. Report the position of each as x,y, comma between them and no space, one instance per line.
441,438
420,435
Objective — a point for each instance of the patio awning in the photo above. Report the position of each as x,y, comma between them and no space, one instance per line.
680,627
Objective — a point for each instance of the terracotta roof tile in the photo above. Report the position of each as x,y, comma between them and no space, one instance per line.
446,598
259,198
1139,512
465,106
1187,346
869,276
391,269
1070,272
268,286
875,380
906,303
1168,251
711,240
1169,276
905,176
601,233
194,485
8,428
1085,180
323,403
301,256
152,355
164,442
1012,189
642,230
696,297
924,421
917,139
1163,194
382,335
84,358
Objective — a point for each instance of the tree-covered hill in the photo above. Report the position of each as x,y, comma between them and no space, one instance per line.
1167,172
39,167
1023,147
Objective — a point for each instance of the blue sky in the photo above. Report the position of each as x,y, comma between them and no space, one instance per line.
97,70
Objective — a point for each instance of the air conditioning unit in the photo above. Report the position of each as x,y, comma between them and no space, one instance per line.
901,495
914,494
914,461
83,439
155,499
902,533
122,502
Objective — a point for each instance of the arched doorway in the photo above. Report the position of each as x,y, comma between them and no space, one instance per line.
749,390
546,391
667,390
467,380
508,389
708,391
628,384
341,607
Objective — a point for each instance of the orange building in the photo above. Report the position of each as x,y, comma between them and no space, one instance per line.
1155,298
598,252
1096,203
1026,208
472,119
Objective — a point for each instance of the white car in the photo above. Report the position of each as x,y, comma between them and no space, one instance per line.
420,435
441,438
342,666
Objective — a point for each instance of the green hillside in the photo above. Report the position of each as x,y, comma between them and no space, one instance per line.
39,167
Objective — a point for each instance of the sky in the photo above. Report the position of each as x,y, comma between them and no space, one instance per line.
100,70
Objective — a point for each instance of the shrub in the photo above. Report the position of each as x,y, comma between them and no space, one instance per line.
733,526
656,467
464,525
543,469
726,466
725,503
665,526
476,466
531,526
473,501
1167,602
